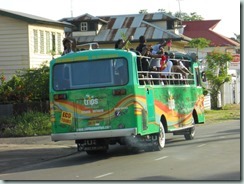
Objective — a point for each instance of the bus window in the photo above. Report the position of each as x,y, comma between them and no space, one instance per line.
66,72
61,77
121,70
86,74
203,75
198,83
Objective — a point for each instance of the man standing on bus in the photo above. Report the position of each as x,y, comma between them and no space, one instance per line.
166,71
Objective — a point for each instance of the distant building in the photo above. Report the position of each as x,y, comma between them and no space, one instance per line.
106,30
204,29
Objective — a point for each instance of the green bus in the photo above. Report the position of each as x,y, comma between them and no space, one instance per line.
100,97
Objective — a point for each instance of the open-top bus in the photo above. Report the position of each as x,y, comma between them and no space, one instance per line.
100,97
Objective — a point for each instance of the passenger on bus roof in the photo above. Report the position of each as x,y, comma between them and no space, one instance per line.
166,69
155,64
178,67
156,48
145,60
142,43
68,45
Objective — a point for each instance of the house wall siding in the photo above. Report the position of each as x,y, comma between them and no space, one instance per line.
17,45
14,50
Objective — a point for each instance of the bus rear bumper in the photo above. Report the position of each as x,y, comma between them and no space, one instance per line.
94,134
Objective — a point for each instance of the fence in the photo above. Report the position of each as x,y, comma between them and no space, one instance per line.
15,109
207,102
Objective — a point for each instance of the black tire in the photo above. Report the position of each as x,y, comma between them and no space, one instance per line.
190,133
159,143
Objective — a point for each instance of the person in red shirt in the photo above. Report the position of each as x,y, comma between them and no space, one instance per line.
163,62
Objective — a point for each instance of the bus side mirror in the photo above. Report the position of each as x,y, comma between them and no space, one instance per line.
203,75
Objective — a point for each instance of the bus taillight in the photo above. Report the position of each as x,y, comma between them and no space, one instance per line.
60,96
117,92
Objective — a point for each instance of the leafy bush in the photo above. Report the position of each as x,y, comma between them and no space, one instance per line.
27,85
26,124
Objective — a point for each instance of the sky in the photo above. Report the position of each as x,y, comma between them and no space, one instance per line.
228,11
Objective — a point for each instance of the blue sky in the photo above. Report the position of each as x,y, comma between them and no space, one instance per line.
226,10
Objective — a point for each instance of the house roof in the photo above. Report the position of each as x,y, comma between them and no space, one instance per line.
131,24
32,18
84,17
204,29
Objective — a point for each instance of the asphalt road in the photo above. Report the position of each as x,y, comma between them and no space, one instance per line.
214,154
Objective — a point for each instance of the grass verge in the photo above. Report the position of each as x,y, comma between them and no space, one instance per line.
228,112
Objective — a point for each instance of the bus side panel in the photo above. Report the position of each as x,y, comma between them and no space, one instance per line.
176,103
199,106
93,111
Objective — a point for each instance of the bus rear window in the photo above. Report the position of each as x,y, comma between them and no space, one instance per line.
90,74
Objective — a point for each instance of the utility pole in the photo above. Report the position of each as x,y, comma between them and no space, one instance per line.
179,10
179,7
71,7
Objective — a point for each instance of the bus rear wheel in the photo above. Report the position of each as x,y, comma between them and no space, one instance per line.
190,133
159,142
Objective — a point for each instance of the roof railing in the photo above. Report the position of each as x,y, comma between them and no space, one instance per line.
87,44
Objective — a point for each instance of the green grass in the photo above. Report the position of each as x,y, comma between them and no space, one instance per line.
26,124
228,112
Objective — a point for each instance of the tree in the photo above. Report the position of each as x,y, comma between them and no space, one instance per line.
186,17
217,74
199,43
180,15
237,38
144,11
127,41
164,11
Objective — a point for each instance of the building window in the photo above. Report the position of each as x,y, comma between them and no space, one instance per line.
42,42
170,24
92,26
35,32
46,42
48,49
53,43
59,42
83,26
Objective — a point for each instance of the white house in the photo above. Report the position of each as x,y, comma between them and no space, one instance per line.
27,41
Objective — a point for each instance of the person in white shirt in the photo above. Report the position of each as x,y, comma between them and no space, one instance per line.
156,48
